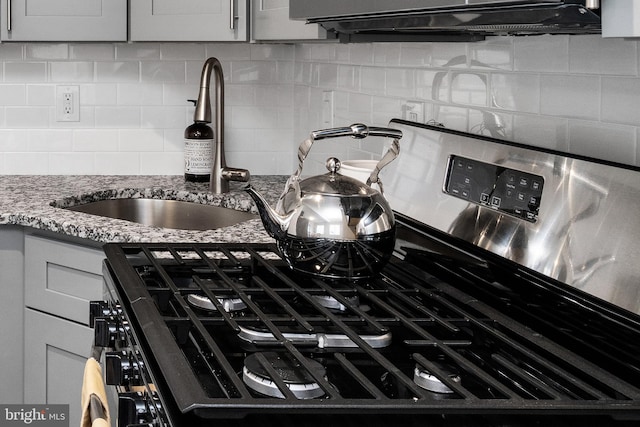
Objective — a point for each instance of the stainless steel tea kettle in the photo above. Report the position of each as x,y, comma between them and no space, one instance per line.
332,225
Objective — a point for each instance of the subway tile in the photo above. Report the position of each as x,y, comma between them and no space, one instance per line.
608,142
117,163
25,72
13,95
117,71
141,51
386,54
570,96
516,92
72,72
593,54
418,54
424,83
141,140
270,52
12,51
494,52
372,80
285,72
469,88
327,75
19,163
13,140
253,72
304,74
162,71
273,95
243,94
246,140
173,140
253,117
39,94
161,164
95,140
72,163
348,77
174,51
322,52
541,131
140,94
92,51
102,94
542,53
50,51
47,140
361,54
229,51
163,117
27,117
620,97
118,117
180,94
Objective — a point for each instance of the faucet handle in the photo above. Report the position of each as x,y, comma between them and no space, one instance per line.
236,174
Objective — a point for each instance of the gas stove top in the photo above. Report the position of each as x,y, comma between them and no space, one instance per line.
232,332
511,300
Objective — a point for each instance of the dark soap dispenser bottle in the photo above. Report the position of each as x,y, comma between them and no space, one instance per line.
198,151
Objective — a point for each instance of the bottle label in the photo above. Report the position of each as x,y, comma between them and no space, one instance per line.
197,156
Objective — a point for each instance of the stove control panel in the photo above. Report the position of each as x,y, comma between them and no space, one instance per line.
510,191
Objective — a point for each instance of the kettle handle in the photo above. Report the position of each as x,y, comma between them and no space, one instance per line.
357,131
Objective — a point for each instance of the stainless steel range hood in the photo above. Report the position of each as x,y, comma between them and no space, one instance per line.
442,20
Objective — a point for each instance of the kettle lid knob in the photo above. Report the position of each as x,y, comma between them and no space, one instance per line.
333,164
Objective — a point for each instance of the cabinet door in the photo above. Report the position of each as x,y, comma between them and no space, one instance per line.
56,351
188,20
271,22
61,278
11,309
64,20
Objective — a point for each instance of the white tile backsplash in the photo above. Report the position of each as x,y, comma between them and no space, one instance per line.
572,93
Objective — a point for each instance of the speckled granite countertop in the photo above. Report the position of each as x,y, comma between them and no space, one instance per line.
37,202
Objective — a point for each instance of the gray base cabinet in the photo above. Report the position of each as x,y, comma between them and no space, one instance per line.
11,314
60,278
56,351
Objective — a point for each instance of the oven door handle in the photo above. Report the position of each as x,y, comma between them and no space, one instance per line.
95,408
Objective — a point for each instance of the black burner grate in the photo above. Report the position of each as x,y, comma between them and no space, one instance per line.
378,340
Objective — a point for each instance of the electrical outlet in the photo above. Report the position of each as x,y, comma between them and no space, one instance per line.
413,111
327,108
68,103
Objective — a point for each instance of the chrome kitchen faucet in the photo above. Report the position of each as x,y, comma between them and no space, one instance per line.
221,174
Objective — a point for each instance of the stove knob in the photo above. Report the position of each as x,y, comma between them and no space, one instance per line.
133,410
109,331
121,368
97,309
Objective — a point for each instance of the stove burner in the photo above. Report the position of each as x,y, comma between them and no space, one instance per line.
327,301
424,379
301,383
321,339
228,304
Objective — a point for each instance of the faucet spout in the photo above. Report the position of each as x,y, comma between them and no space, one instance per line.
221,174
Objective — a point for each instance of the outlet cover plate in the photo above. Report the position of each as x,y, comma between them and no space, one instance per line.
68,103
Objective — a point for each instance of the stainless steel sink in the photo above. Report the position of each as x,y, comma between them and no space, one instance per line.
166,213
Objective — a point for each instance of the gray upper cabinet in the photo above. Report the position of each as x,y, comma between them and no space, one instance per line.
63,20
188,20
271,22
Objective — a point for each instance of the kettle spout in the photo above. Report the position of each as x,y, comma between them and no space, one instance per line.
274,223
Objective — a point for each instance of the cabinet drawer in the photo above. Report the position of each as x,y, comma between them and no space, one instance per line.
61,278
56,351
